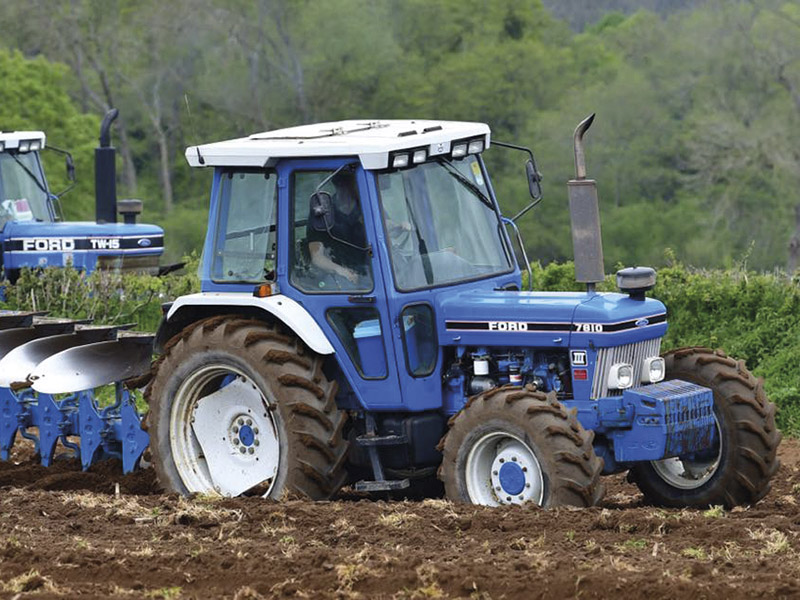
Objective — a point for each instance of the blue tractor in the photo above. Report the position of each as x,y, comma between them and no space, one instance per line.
32,231
362,321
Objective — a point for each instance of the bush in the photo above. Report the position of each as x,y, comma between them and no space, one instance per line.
104,297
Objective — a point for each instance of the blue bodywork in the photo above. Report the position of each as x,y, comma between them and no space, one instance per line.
536,334
81,244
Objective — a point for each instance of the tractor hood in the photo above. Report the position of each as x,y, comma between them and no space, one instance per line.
82,244
567,319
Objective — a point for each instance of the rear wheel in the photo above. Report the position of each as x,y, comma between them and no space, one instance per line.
738,469
238,406
512,445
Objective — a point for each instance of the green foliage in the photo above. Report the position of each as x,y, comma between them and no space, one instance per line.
752,316
34,96
104,297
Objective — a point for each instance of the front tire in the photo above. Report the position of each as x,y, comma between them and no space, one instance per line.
237,405
739,469
513,445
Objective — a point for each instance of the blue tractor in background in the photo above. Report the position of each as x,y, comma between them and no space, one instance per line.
362,321
32,231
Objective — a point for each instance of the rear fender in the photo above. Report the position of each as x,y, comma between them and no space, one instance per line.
188,309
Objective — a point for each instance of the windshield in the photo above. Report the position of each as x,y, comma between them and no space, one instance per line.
440,225
22,191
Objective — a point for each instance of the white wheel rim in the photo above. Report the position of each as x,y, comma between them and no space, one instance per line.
688,474
224,439
502,469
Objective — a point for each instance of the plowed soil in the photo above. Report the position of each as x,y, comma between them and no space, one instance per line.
99,534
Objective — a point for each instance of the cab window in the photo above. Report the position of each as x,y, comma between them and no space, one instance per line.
245,244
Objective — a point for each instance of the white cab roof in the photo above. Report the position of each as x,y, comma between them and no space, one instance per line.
371,141
11,139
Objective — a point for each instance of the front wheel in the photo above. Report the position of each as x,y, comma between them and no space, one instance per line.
513,445
238,406
737,470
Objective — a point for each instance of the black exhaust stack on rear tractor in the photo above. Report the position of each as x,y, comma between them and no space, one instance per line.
584,210
105,173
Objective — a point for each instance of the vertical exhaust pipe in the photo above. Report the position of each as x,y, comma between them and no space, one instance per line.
584,211
105,173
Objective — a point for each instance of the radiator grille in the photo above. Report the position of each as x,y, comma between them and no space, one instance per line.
632,354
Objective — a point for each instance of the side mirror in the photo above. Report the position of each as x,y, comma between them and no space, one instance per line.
70,168
534,180
321,211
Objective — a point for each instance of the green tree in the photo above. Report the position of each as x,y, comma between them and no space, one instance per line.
34,97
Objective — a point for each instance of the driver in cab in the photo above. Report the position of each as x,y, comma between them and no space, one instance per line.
340,248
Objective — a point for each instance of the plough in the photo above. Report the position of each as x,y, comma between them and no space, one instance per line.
49,371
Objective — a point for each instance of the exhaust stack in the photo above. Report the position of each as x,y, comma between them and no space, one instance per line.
584,211
105,173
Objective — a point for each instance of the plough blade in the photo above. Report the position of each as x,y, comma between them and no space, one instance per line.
18,363
60,356
92,365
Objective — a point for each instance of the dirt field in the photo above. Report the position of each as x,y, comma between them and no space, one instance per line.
64,533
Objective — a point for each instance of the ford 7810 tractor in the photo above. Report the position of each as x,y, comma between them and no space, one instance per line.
362,322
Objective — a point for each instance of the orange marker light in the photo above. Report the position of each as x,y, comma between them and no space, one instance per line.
263,290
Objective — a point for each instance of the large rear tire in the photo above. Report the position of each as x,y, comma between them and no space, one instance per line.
512,445
739,469
237,405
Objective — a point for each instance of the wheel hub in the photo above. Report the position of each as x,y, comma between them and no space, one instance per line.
511,478
243,434
226,440
502,469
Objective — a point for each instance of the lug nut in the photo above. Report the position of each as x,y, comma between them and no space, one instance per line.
524,469
249,421
255,430
241,421
242,450
250,450
236,441
235,429
514,458
498,488
257,443
494,472
502,460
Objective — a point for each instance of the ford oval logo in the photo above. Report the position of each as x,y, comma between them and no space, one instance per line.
642,323
144,242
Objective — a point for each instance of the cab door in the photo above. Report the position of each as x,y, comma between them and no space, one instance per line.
329,264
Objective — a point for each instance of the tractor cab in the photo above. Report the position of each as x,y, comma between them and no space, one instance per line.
24,194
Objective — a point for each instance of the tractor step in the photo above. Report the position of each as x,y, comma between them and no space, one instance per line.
368,441
381,486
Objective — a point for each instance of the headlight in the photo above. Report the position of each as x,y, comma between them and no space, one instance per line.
24,146
35,145
400,161
620,376
459,150
475,146
653,370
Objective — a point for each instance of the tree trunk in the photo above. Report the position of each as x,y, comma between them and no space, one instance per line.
794,245
166,179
